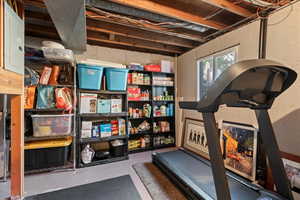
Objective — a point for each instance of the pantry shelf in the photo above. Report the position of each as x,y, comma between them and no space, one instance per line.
142,85
98,115
138,150
105,161
31,139
161,88
102,91
140,118
44,110
171,86
104,139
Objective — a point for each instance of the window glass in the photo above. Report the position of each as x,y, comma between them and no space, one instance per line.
210,68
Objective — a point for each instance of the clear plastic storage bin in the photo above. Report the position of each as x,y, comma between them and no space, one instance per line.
51,125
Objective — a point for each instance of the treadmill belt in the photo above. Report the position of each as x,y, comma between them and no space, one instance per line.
120,188
198,175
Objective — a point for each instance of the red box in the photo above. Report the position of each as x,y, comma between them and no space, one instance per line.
129,80
134,94
152,68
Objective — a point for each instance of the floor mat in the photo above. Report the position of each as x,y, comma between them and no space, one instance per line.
157,184
120,188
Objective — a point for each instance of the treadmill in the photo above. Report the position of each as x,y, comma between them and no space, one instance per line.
252,84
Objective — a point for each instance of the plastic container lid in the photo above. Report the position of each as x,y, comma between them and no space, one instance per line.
48,143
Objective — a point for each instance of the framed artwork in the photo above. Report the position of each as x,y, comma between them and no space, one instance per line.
292,169
195,138
239,147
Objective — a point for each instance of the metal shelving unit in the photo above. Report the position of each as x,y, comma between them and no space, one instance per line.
38,63
98,117
153,118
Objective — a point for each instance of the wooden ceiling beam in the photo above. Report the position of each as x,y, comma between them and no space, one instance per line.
117,29
102,26
230,6
189,35
176,13
104,38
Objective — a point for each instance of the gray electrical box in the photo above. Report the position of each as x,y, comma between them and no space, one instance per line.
13,41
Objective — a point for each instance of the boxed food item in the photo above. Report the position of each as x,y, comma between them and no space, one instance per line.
95,131
114,127
86,125
134,93
167,66
152,68
88,103
86,133
51,125
122,126
103,105
105,130
116,105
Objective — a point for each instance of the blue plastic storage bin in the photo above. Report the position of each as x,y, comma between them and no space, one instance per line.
89,76
116,79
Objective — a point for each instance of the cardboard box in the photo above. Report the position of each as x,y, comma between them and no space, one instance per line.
86,125
105,130
88,103
167,66
86,133
116,105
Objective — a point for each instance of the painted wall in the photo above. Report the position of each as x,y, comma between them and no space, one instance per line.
246,38
283,45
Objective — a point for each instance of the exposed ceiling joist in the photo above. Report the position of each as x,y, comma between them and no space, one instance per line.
230,6
176,13
117,29
105,38
187,34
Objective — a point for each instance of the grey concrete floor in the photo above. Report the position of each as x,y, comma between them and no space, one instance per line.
42,183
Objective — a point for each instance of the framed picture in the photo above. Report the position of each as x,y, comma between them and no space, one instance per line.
195,138
239,147
292,169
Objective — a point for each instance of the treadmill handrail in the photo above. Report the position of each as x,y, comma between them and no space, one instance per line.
210,102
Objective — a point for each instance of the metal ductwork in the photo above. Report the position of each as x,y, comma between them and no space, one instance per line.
69,19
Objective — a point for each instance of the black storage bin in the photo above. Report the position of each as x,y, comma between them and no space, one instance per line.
45,158
118,151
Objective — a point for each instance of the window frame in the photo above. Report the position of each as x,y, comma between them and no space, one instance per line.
213,56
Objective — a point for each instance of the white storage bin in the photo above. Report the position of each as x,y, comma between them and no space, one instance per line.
58,54
51,125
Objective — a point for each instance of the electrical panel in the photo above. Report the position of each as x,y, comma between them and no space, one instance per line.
13,41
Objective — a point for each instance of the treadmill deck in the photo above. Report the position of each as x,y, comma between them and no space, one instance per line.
196,173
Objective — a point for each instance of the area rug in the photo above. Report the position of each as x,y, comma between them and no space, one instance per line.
157,184
120,188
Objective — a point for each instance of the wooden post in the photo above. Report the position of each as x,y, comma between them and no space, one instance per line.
17,147
1,33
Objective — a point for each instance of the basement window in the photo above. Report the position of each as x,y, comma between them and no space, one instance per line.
211,67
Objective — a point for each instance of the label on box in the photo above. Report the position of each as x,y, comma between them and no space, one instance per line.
86,133
105,130
86,125
88,103
116,105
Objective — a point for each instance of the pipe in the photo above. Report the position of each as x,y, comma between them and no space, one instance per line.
262,53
